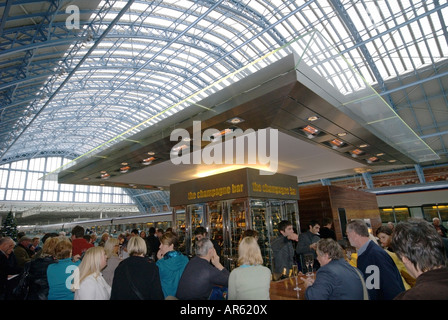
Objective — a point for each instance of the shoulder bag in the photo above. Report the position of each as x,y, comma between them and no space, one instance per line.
20,292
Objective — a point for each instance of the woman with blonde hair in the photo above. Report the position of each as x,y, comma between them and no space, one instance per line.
113,260
59,273
38,283
136,278
89,283
251,280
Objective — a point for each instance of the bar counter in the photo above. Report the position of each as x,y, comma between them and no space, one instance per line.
284,289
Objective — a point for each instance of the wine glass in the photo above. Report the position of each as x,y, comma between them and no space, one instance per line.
307,263
295,273
311,265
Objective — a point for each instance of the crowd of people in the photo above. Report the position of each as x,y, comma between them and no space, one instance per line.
403,261
406,261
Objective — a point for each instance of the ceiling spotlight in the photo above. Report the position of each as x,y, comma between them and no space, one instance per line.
221,133
148,161
176,150
357,152
336,143
342,134
372,160
310,131
125,169
104,175
313,118
235,120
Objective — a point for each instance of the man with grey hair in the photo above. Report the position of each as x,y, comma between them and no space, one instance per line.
202,273
8,267
440,228
383,280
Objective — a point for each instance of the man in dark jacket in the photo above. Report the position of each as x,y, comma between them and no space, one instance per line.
8,267
282,249
153,243
307,244
383,280
22,252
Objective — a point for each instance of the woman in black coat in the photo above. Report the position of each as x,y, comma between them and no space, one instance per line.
38,283
136,278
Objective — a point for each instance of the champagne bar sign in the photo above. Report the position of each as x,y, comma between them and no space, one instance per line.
240,183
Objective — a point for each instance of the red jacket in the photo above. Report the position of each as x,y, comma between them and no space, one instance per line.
79,245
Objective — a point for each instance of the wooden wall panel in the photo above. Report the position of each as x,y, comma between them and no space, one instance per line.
317,202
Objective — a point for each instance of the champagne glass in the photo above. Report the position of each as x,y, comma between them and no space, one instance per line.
295,273
307,263
311,265
308,258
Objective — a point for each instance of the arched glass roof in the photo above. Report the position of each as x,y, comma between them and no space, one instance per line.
67,91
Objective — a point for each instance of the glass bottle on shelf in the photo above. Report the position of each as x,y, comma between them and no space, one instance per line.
275,211
237,226
197,219
215,217
292,215
181,228
258,222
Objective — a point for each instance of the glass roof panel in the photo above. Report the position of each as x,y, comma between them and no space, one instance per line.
381,39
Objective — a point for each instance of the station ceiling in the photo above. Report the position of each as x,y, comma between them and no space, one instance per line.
78,77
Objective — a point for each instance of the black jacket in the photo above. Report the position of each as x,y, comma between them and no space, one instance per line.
199,278
38,281
136,277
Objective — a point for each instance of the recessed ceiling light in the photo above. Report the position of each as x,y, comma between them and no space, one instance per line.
105,176
342,134
310,131
372,159
336,143
392,161
356,152
148,161
313,118
380,154
235,120
363,145
125,169
176,150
